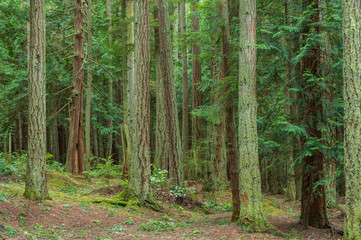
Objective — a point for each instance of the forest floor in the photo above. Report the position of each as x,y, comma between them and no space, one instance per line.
71,214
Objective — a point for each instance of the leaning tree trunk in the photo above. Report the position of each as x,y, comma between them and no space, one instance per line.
172,148
352,85
35,183
139,181
252,216
75,154
313,207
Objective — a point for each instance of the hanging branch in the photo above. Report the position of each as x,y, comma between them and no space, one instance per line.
60,50
114,79
59,110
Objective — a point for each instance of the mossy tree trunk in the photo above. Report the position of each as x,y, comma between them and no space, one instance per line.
35,183
89,88
139,180
171,141
75,152
252,216
352,119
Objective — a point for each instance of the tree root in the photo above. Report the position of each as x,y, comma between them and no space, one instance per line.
260,226
127,198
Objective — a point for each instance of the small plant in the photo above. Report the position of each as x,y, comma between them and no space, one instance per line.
96,222
159,178
72,190
128,222
105,167
117,228
83,204
46,209
38,226
68,205
181,192
152,226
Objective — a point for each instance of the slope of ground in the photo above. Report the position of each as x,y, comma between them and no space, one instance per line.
73,215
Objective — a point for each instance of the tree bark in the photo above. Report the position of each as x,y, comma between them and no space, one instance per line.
352,85
312,171
89,87
139,182
35,184
252,216
196,82
185,108
171,147
75,154
109,146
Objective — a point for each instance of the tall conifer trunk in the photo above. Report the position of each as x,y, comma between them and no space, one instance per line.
230,125
252,216
171,142
313,207
35,184
139,181
352,86
75,154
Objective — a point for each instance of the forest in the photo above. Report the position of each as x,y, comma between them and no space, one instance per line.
180,119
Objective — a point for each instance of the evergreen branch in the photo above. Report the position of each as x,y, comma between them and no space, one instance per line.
61,50
59,110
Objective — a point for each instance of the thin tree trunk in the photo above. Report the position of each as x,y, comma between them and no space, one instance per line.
196,82
89,87
230,126
35,184
185,109
109,145
352,120
172,148
290,171
75,155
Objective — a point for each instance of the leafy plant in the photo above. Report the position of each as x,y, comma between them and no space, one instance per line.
159,179
105,167
128,222
117,228
152,226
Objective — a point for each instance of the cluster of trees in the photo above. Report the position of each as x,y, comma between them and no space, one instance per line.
174,83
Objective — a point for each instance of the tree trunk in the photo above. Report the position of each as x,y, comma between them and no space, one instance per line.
352,85
252,216
196,93
109,145
290,170
172,149
89,87
75,155
139,182
312,171
230,126
54,140
185,109
35,184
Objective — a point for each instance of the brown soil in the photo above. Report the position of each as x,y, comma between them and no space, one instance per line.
23,219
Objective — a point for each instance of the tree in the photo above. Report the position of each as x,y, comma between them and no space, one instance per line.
352,85
171,142
251,216
313,207
230,126
75,152
35,184
89,87
185,95
139,180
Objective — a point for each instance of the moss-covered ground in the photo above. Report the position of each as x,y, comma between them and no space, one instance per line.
80,209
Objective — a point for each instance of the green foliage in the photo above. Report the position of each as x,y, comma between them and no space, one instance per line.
152,226
181,192
159,178
128,222
105,167
117,228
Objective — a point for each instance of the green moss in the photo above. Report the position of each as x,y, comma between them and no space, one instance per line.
272,208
